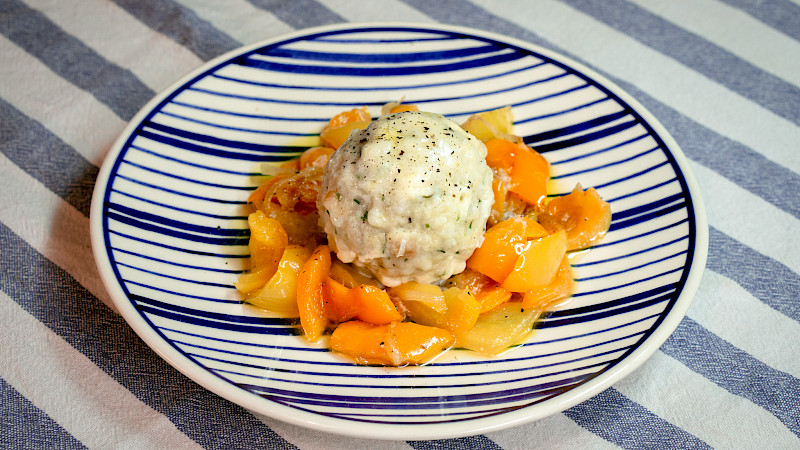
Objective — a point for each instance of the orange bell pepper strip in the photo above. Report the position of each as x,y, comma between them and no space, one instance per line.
338,301
394,344
340,126
583,214
502,245
310,300
537,264
374,305
560,287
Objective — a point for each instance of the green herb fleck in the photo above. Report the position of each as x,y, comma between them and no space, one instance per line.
356,200
364,217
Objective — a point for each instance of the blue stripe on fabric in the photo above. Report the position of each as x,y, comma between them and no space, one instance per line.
113,86
380,57
323,87
24,425
779,14
175,233
627,424
190,227
725,68
731,159
86,324
388,71
299,14
265,149
736,371
479,442
180,193
755,272
46,158
182,25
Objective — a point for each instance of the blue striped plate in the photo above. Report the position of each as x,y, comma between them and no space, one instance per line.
170,233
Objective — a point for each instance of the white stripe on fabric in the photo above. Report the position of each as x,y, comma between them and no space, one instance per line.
120,38
554,433
729,311
307,438
671,83
50,225
733,31
70,113
375,11
669,389
748,218
239,19
74,392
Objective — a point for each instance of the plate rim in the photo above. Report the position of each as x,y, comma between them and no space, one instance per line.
256,404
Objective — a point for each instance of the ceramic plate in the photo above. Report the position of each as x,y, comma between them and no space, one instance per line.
170,233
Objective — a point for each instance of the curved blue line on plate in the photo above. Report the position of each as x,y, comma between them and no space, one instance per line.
179,249
215,316
193,164
228,326
628,255
649,263
387,71
187,179
173,263
602,150
277,153
177,192
172,277
380,57
232,128
185,295
175,208
127,220
374,88
606,165
194,228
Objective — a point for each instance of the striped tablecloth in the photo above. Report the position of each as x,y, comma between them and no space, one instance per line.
723,76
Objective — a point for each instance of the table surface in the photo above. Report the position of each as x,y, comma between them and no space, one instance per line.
723,76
